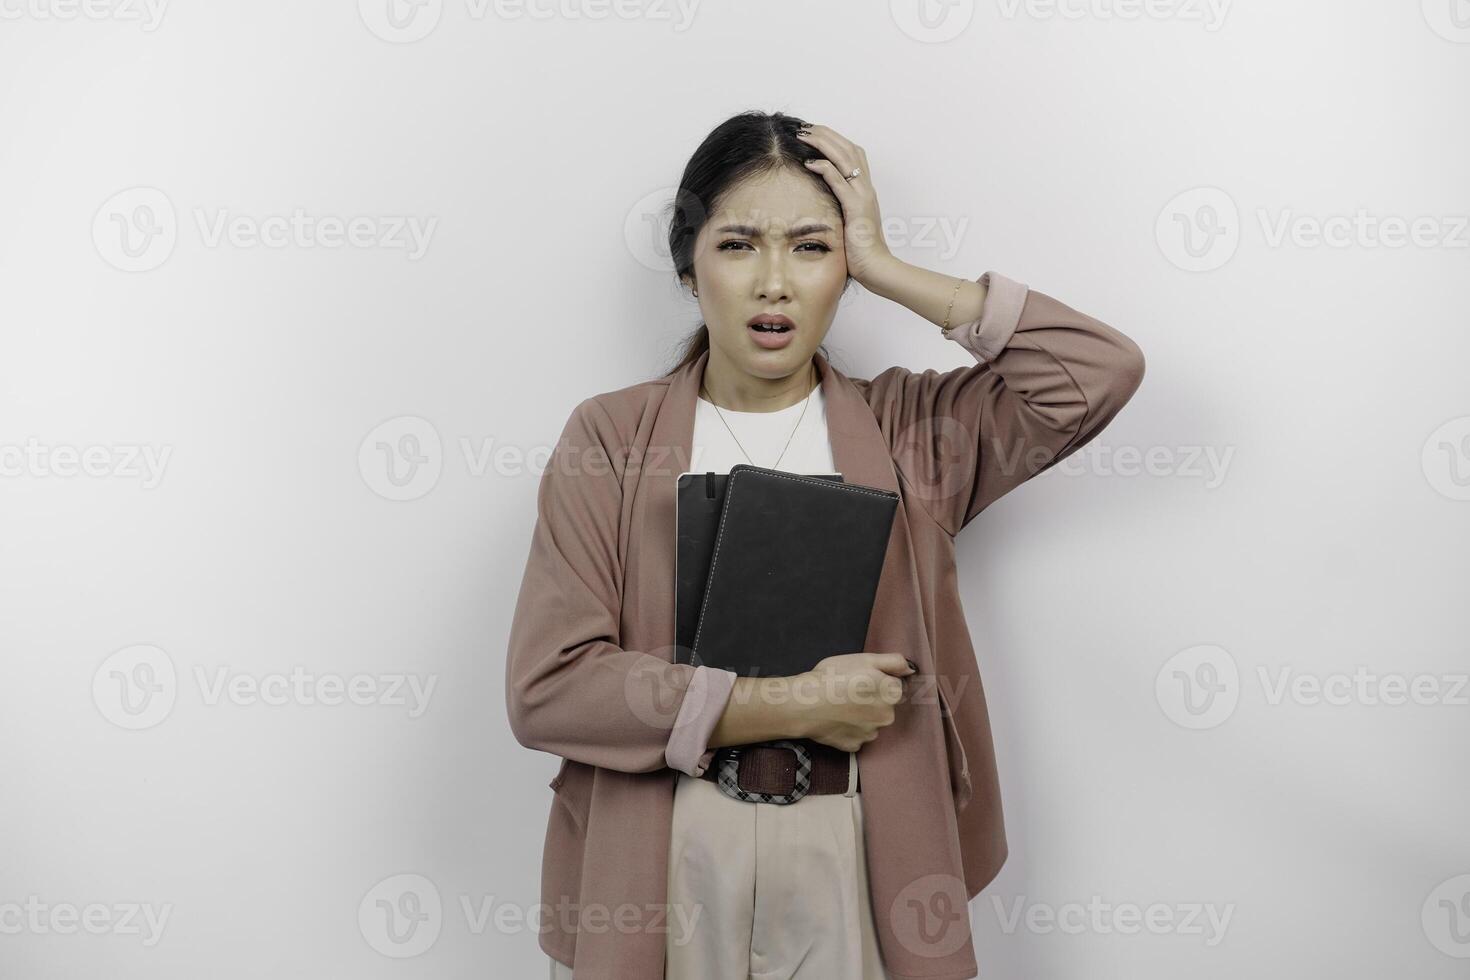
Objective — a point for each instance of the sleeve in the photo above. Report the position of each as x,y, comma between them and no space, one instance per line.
709,693
571,689
1047,379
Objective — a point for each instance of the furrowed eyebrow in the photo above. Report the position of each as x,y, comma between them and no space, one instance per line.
811,228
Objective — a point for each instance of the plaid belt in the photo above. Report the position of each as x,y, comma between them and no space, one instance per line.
782,771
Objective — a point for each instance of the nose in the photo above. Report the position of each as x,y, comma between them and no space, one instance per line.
773,277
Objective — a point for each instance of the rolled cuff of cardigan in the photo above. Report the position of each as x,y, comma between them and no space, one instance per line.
703,705
987,337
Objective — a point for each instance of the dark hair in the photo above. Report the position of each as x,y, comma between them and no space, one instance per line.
745,145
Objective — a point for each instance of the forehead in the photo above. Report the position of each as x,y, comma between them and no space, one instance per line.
775,201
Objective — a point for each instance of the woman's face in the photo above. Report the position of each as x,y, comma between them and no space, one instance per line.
773,245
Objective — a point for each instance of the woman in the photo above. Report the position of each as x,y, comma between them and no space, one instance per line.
652,868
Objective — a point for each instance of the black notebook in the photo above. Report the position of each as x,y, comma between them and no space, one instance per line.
699,500
776,570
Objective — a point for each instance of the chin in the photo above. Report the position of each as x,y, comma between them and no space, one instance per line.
776,363
742,350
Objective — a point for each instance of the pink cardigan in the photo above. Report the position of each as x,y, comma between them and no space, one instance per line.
590,671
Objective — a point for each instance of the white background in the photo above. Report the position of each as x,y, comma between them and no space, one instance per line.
1068,147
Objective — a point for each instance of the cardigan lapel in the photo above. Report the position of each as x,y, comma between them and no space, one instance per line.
858,447
859,452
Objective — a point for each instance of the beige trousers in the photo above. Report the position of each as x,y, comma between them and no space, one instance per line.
761,891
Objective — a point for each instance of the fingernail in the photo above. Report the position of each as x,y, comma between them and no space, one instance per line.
912,666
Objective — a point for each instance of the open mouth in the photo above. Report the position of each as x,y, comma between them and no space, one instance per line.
771,336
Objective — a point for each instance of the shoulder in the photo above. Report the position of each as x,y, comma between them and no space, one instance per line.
896,388
877,389
616,416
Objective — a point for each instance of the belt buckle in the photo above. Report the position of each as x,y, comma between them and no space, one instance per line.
729,780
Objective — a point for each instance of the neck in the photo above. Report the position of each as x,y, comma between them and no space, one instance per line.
737,391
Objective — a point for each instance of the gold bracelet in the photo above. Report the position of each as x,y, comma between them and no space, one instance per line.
952,295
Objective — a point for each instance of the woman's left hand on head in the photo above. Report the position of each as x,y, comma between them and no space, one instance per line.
862,225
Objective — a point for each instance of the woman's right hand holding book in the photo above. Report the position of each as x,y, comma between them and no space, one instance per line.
846,698
842,701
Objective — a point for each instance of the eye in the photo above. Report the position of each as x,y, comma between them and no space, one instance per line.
817,246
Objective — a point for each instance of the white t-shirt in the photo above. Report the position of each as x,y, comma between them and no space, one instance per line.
762,434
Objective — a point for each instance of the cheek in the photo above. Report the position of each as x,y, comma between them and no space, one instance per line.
829,281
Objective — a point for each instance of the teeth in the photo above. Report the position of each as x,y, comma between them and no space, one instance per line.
771,328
